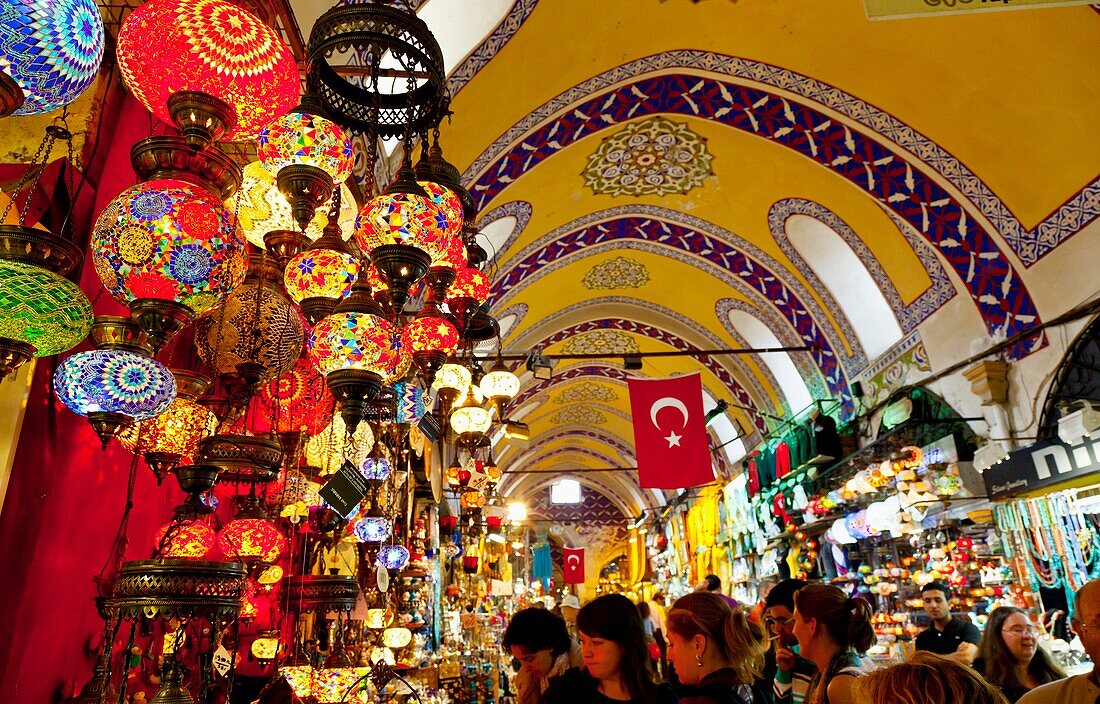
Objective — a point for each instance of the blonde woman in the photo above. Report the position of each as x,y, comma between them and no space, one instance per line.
926,678
716,651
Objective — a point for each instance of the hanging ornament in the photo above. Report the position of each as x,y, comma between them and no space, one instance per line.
117,384
328,449
250,536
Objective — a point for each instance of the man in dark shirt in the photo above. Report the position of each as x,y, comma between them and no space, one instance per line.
952,637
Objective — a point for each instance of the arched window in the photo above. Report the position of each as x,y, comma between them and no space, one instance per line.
757,334
848,281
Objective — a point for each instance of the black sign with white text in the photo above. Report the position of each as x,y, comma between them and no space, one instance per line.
1045,463
345,490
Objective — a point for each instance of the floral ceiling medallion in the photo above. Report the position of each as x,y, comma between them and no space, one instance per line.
610,342
616,273
578,415
587,391
654,156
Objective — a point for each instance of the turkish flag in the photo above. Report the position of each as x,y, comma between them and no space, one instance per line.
572,565
670,436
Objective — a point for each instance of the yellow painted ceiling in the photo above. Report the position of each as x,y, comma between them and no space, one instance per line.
1008,94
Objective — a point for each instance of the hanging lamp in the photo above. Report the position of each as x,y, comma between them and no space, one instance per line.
451,381
117,383
50,52
167,439
467,292
208,66
308,154
431,339
250,537
353,348
169,250
322,274
500,386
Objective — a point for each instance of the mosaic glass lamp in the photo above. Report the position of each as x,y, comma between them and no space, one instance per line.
372,529
466,293
298,401
50,51
169,250
410,402
267,334
113,388
207,58
263,209
431,339
394,557
188,540
448,204
356,349
41,310
328,449
403,232
173,436
308,155
250,537
376,468
442,272
318,277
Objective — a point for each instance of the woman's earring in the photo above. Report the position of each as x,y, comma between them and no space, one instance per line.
698,659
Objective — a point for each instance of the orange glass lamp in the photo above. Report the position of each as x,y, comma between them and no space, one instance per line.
186,539
250,537
209,66
467,292
173,436
431,339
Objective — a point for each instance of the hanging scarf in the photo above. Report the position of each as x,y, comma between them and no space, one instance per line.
542,569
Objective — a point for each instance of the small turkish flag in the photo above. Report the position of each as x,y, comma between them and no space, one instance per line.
572,565
670,437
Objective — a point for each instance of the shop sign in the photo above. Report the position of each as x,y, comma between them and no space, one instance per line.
942,451
895,9
1045,463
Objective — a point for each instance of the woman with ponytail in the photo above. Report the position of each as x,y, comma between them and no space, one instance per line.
832,632
716,651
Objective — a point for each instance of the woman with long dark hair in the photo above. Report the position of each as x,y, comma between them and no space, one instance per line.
832,631
1009,656
613,648
716,651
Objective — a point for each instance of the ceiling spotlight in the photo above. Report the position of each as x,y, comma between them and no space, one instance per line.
988,455
517,431
540,365
1074,428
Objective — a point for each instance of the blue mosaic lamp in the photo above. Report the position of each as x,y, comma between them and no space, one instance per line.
117,384
376,469
394,557
372,529
50,51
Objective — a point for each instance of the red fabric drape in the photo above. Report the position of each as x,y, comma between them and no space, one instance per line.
66,496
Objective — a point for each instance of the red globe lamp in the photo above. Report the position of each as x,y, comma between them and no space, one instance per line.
466,293
430,338
297,403
209,66
250,537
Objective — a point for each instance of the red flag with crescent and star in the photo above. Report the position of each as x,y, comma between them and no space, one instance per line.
670,434
572,565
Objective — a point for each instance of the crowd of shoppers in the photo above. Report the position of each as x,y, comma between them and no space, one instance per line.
810,648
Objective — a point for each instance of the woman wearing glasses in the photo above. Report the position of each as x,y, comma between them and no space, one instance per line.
1009,656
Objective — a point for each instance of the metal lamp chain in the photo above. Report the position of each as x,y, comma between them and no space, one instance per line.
33,173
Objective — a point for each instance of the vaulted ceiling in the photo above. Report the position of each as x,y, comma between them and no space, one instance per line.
655,175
